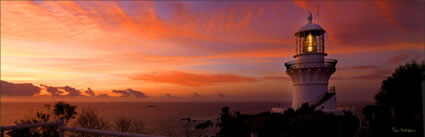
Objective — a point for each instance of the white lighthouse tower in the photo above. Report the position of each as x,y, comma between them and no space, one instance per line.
310,71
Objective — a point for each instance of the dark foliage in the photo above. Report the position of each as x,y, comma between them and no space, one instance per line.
60,110
123,124
88,118
204,125
402,90
49,131
380,120
304,122
65,111
399,103
232,125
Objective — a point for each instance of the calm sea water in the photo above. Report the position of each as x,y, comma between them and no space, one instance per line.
158,117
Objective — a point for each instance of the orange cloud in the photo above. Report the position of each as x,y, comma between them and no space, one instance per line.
306,5
105,25
276,78
192,79
301,4
386,10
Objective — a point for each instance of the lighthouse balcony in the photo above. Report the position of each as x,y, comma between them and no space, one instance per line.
308,64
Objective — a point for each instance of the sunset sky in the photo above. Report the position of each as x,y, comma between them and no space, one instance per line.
197,50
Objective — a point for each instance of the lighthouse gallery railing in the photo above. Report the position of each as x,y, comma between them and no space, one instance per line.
326,63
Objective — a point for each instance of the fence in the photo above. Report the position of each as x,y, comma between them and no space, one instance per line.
63,128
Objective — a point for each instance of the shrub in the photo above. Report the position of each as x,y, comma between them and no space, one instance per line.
60,110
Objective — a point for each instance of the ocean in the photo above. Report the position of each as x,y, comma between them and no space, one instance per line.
159,118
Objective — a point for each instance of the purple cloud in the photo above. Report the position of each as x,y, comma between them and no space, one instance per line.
71,91
130,92
103,95
136,93
123,93
18,89
54,91
58,91
90,92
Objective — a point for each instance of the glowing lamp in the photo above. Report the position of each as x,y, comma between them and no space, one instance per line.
310,43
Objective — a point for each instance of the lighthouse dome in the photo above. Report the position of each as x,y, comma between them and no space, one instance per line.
310,26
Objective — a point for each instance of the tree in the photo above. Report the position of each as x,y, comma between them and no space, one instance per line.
398,103
232,125
65,111
402,90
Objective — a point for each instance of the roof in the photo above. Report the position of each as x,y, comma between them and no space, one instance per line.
310,26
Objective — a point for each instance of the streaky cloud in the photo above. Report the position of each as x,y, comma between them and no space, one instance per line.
192,79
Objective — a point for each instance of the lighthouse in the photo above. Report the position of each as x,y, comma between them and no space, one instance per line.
310,71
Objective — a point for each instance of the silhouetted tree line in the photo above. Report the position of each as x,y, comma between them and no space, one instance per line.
303,122
398,109
88,118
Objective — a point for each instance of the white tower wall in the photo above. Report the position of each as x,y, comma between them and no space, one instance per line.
307,92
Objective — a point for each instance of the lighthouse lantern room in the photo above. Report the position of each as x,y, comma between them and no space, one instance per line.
310,38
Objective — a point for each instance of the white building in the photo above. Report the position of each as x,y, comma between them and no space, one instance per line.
310,71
